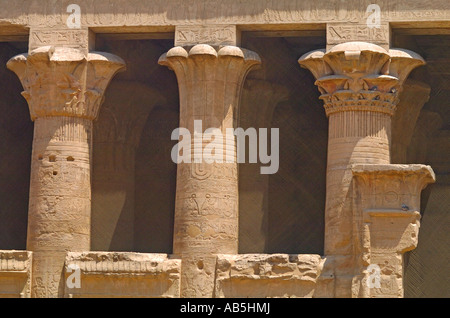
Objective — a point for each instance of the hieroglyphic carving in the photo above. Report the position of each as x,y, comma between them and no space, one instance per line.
212,35
206,216
406,10
201,171
78,39
342,32
181,12
360,99
223,205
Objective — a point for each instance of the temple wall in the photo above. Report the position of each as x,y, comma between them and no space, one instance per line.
88,187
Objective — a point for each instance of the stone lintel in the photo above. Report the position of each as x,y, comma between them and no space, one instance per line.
214,35
82,39
176,12
341,32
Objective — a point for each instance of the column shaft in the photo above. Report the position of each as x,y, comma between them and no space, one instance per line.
60,197
355,137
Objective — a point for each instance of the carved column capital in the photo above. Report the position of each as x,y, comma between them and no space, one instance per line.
360,76
61,81
217,72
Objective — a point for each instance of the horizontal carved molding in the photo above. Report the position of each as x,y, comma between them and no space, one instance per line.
161,12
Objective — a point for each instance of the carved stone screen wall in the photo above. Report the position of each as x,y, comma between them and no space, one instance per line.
87,181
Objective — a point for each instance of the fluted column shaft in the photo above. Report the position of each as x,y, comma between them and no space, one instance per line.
64,89
206,207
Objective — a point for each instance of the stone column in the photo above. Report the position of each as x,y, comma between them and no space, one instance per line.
116,137
64,88
360,84
206,208
259,100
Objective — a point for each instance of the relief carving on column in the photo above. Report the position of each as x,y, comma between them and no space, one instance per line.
64,89
210,81
63,81
360,85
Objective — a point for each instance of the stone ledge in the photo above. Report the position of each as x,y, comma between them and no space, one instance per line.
267,275
123,274
15,274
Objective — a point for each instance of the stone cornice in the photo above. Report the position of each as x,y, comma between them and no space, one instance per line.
61,81
104,13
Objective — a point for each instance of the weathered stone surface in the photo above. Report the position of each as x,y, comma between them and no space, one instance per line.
64,89
372,208
206,206
15,274
111,13
113,274
267,275
360,84
386,222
